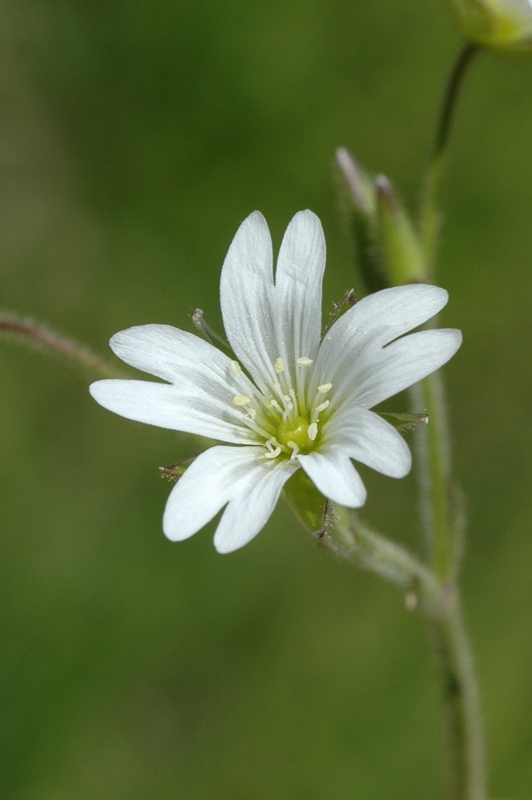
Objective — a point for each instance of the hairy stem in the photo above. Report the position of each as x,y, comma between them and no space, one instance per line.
34,334
465,764
441,520
438,601
352,540
440,524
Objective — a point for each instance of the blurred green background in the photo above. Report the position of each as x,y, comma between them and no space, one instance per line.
134,138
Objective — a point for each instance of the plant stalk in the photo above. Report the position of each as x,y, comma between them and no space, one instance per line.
441,522
27,331
430,215
463,730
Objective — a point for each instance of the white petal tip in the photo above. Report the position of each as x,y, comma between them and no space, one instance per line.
100,390
451,341
224,548
174,534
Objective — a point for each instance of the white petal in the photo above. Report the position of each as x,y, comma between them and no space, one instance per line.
171,354
335,477
368,438
298,287
212,480
372,323
248,512
382,374
263,321
181,358
384,316
186,408
246,290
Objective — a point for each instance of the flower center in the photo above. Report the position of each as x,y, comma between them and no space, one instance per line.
285,421
295,432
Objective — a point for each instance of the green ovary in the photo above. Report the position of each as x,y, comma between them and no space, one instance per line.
296,431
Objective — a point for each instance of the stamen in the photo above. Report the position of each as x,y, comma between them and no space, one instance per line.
324,388
288,407
236,369
295,449
312,431
304,361
241,400
258,424
322,406
293,399
273,451
279,366
205,329
276,406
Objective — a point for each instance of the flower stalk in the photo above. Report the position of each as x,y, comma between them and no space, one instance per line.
438,602
354,541
441,519
408,255
34,334
464,736
430,211
440,543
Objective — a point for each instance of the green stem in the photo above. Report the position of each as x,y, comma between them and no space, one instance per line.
352,540
465,765
438,601
439,524
440,520
27,331
430,217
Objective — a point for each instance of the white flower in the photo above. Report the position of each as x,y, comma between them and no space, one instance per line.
289,401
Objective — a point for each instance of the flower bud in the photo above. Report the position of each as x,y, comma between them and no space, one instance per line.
362,218
502,25
388,247
399,242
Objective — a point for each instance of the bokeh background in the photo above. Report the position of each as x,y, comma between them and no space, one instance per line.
135,135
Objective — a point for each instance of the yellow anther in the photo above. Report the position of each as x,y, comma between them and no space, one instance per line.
322,406
324,388
273,453
235,368
312,431
241,400
278,366
304,361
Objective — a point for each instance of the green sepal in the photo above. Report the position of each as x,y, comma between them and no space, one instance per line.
405,421
307,503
